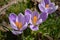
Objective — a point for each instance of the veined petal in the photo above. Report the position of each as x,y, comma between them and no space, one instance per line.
35,13
28,12
52,4
47,2
27,18
30,21
16,32
21,18
42,3
39,21
12,19
41,8
13,25
24,26
44,16
52,9
35,17
34,28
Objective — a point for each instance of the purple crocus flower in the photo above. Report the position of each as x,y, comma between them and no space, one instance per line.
47,6
35,18
18,23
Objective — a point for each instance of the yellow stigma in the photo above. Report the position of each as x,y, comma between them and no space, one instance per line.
19,25
47,5
34,20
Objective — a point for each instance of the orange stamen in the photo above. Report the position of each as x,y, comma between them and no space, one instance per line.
34,19
19,25
47,5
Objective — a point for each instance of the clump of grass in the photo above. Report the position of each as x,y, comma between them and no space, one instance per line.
17,8
2,2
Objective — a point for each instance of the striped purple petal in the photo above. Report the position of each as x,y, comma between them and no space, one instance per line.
52,9
28,13
44,16
42,3
12,19
35,13
15,32
24,26
34,28
41,8
47,2
21,18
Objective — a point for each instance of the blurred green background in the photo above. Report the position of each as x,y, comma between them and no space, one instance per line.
50,29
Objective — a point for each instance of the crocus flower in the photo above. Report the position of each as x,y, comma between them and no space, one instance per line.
18,23
35,18
47,6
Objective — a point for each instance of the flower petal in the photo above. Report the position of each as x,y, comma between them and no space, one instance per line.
52,4
39,21
44,16
52,9
28,15
16,32
30,21
35,13
24,26
28,12
41,8
34,28
12,19
27,18
13,26
42,3
47,1
21,18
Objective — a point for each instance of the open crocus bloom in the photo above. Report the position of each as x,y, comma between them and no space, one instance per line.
47,6
35,18
18,23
